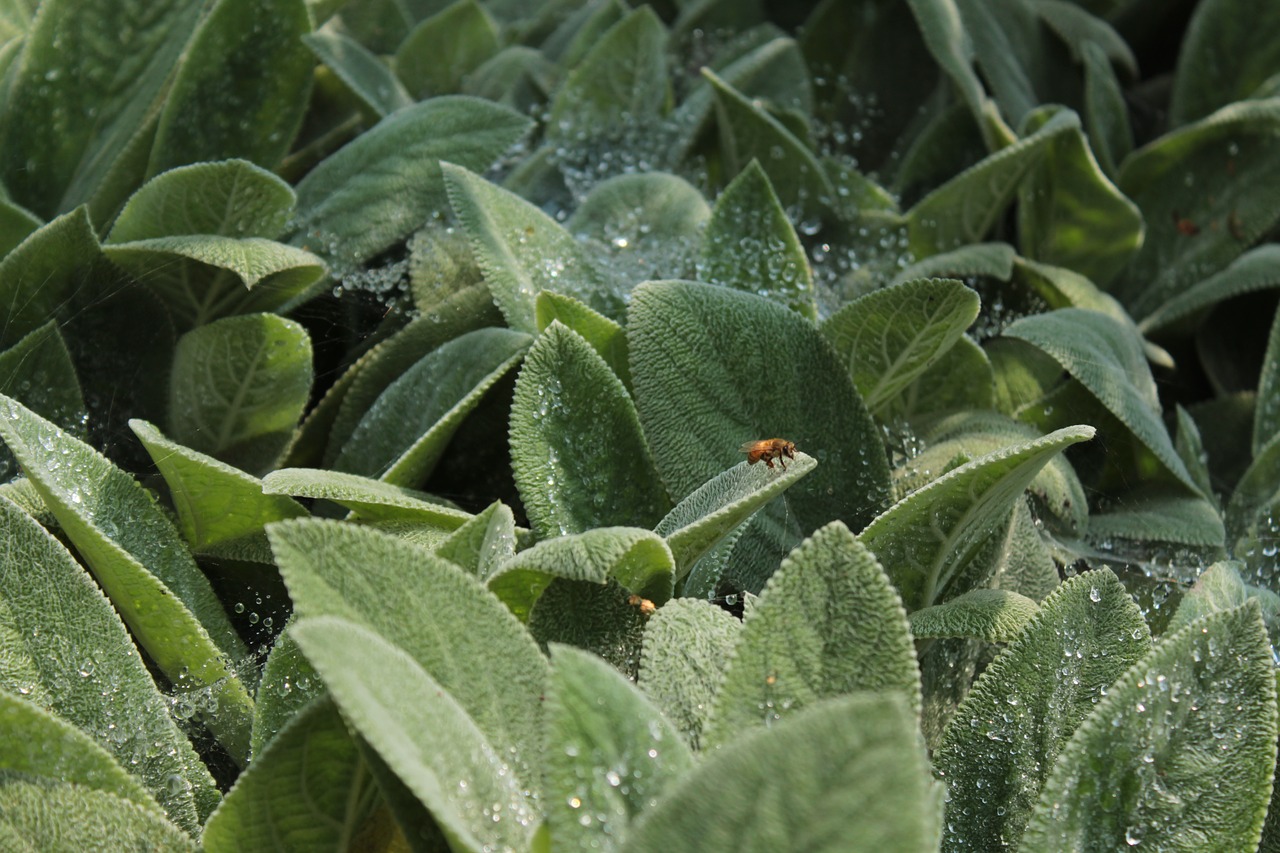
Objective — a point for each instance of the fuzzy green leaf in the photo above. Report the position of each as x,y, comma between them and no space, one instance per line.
1105,114
361,70
1191,451
16,224
443,49
889,337
309,790
610,752
221,509
484,543
605,336
605,619
379,188
373,500
51,158
38,373
930,541
991,260
39,278
1256,499
64,649
1156,515
523,251
751,245
35,816
139,559
1220,29
990,615
406,431
238,388
713,510
233,198
577,452
638,559
422,733
828,623
1220,587
682,661
714,367
848,774
1257,269
1069,212
1266,418
289,684
1180,752
442,617
1207,191
1004,739
960,380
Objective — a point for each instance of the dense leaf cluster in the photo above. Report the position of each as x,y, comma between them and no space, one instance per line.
375,377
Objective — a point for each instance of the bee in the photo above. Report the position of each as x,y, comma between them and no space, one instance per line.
646,607
769,449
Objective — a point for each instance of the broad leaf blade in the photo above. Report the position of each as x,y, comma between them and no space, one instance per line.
373,500
439,53
362,71
1220,29
990,615
35,818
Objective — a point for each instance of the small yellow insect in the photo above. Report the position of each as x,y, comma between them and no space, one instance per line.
647,607
769,449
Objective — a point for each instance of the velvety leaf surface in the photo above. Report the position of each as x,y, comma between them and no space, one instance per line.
1161,517
220,509
682,661
828,623
714,368
1180,751
1266,413
994,260
610,752
289,684
751,245
1220,29
1006,735
257,46
577,452
238,388
605,336
422,733
64,649
484,543
309,790
637,559
991,615
605,619
383,185
889,337
1256,269
38,373
442,617
847,774
523,251
362,71
373,500
437,55
33,816
139,558
405,432
930,542
1105,114
1220,587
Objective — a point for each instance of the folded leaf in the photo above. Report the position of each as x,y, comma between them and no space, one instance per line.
991,615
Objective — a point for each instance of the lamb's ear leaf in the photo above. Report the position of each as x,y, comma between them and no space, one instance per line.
1202,82
99,815
441,50
1181,750
363,72
990,615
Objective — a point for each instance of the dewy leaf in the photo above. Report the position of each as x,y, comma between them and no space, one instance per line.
289,683
309,790
220,509
38,373
65,650
714,367
889,337
53,159
1156,515
1207,191
39,278
405,432
1191,451
38,744
523,251
750,244
1180,752
373,500
605,336
422,733
637,559
443,618
992,260
961,380
713,510
748,132
363,72
238,388
1069,212
964,209
1266,419
577,452
620,85
610,752
1218,29
1218,588
71,817
484,543
443,49
828,623
928,542
204,118
233,198
385,184
140,561
1004,738
1109,361
990,615
1256,269
681,661
848,774
605,619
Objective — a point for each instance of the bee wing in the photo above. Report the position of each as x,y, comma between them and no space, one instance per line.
748,446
